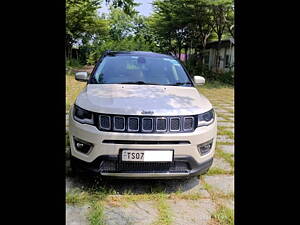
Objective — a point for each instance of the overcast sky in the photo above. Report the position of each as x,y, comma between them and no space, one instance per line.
145,8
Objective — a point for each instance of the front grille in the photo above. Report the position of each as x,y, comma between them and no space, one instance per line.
144,167
145,124
131,142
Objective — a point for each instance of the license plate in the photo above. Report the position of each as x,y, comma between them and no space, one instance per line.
147,155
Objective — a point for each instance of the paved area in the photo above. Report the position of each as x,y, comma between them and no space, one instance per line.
185,202
142,212
192,212
77,215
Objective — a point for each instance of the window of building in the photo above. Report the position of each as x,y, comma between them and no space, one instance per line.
227,61
206,59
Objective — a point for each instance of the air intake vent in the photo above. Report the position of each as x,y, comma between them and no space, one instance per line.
105,122
161,124
147,124
175,124
188,123
133,124
119,123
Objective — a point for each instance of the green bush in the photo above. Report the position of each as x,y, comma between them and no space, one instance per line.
198,69
73,63
227,77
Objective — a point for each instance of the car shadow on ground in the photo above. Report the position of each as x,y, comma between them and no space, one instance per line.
87,182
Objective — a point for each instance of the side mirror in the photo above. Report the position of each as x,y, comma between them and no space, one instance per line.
199,80
81,76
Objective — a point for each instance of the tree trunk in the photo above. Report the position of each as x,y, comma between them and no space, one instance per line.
179,51
218,51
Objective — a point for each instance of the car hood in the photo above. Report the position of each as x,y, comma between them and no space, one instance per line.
142,99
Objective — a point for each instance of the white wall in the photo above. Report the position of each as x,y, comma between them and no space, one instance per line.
212,58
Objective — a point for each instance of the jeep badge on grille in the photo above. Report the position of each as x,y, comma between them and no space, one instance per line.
147,112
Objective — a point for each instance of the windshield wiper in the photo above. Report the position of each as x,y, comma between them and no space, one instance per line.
139,82
180,83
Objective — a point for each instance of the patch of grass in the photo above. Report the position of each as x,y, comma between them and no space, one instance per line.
92,197
223,131
142,197
218,171
216,84
194,196
164,213
96,214
225,117
73,88
215,195
228,157
77,197
224,216
164,217
224,143
217,94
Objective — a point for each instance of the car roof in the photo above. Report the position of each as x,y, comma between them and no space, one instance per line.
137,53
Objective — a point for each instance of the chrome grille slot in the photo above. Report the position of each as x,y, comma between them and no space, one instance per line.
161,124
119,123
188,123
147,124
175,124
105,122
133,124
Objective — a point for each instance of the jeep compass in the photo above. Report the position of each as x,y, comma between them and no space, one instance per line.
141,116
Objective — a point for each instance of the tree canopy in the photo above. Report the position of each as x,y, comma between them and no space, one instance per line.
175,26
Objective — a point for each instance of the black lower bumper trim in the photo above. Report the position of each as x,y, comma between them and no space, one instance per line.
186,165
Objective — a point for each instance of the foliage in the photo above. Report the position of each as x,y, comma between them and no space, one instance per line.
176,27
226,77
73,63
84,27
190,23
125,33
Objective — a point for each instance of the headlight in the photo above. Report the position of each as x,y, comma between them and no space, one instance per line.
83,116
206,118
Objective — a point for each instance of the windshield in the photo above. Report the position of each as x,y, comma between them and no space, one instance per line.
126,69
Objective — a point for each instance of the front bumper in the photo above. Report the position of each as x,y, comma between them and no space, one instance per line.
110,165
107,146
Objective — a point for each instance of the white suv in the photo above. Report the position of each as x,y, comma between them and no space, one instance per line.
141,116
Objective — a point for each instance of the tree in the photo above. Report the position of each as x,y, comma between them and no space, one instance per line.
221,11
121,24
83,23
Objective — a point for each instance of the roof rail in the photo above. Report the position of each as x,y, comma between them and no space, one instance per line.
107,52
171,53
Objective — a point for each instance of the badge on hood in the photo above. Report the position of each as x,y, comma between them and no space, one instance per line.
147,112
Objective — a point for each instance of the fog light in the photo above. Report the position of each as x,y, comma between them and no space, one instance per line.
205,148
82,146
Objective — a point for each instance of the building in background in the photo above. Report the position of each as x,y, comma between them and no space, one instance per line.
225,61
